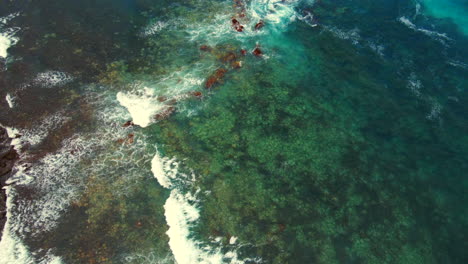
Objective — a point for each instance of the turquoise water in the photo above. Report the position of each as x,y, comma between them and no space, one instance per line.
453,10
155,132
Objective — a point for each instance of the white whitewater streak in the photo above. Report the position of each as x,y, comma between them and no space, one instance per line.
39,130
154,28
54,183
6,41
181,213
308,18
436,110
10,100
352,35
7,38
233,240
12,249
276,12
458,64
143,103
165,170
52,78
439,36
142,106
58,178
414,84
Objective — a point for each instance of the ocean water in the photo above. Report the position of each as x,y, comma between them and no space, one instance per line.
249,131
455,11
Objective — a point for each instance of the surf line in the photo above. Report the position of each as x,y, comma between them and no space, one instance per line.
181,213
181,208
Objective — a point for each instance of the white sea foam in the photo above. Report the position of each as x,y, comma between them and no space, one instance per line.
377,48
39,130
7,35
10,100
308,18
414,84
233,240
276,12
442,37
52,78
6,41
352,35
436,109
142,105
154,28
181,214
58,178
458,64
148,258
164,169
12,248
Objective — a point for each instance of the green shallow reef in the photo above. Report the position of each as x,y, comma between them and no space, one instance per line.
337,159
346,142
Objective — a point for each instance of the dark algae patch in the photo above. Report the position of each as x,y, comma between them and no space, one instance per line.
338,134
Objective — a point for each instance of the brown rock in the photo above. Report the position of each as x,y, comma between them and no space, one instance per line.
215,78
257,52
205,48
197,94
162,98
164,114
128,124
230,56
259,25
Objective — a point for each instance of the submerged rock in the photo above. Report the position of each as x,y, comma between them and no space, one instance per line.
230,56
259,25
128,124
205,48
236,25
197,94
165,113
215,78
257,52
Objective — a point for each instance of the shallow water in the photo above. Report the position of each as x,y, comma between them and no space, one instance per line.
150,132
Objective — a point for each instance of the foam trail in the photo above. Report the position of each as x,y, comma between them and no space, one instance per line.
143,104
58,179
40,130
181,213
12,249
442,37
6,41
7,38
154,28
10,100
142,107
52,78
